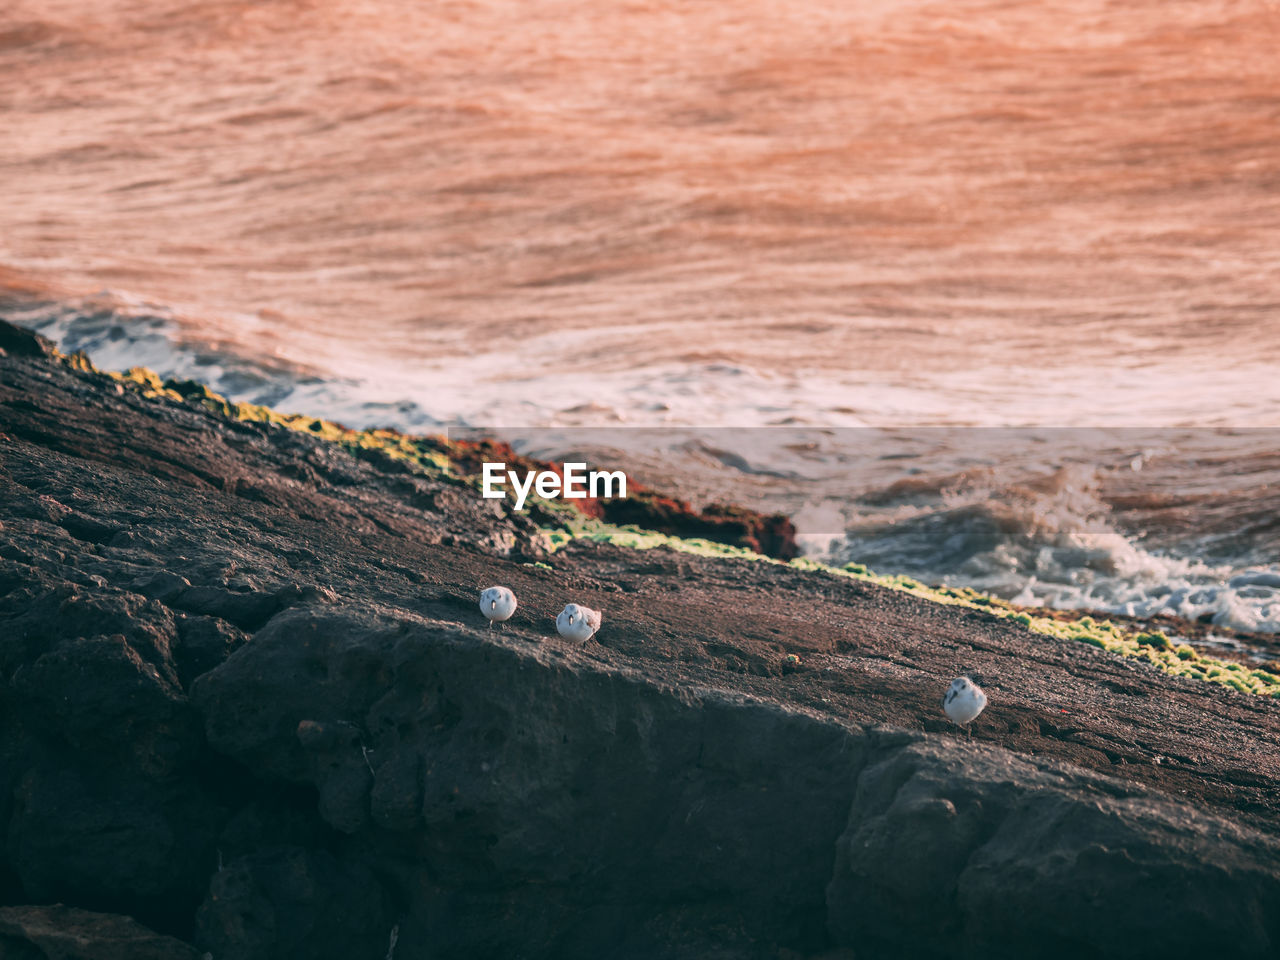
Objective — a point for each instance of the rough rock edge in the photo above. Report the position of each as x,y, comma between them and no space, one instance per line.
650,517
938,838
750,743
60,932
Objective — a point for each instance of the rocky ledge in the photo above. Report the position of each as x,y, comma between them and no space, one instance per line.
250,710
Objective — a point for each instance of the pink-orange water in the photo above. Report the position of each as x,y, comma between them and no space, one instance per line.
806,214
961,211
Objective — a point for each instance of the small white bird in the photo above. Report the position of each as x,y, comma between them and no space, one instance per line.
497,603
577,622
963,701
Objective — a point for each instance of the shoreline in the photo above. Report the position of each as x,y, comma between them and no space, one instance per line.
651,518
265,647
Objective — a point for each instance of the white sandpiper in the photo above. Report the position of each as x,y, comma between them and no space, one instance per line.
497,603
577,622
963,701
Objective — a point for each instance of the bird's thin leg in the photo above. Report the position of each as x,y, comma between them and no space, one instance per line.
490,624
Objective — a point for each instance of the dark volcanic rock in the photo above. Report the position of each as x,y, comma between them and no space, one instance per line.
247,698
65,933
291,902
1009,857
563,787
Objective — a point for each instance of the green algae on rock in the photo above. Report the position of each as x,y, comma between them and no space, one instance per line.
440,457
459,460
1154,648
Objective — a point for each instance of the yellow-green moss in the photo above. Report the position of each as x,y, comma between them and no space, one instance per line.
1156,639
562,524
427,454
1154,647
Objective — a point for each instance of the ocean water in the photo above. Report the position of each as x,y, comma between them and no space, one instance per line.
1181,521
978,292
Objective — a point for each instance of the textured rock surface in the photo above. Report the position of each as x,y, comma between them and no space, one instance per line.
1021,859
65,933
249,701
771,534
